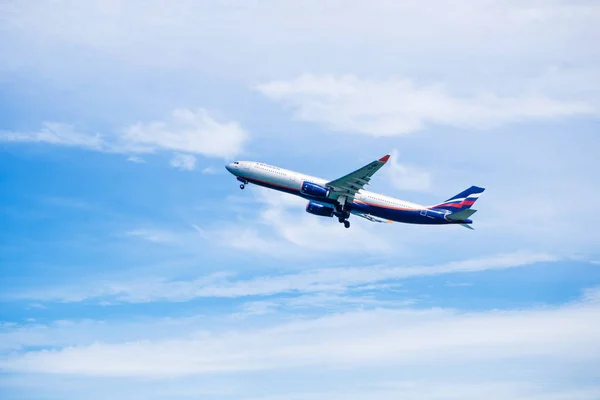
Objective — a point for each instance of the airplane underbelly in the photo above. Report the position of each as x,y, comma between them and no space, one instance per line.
410,216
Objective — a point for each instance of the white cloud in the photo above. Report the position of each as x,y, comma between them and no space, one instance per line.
184,162
443,388
364,339
399,106
209,171
458,284
253,308
189,131
399,35
406,177
60,135
327,280
157,236
330,301
283,228
592,295
135,159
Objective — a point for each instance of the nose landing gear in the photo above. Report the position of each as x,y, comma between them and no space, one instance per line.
244,182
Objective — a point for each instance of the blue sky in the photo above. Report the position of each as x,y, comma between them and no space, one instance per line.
132,266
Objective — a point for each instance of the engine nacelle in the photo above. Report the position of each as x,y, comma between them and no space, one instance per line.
312,189
319,209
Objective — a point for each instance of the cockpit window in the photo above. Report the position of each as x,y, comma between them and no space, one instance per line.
235,162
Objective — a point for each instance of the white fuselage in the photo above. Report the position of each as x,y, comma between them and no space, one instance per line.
372,206
291,182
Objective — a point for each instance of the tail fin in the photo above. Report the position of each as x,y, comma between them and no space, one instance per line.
462,201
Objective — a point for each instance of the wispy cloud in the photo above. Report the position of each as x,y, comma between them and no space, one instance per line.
463,30
157,236
209,171
399,106
352,340
135,159
444,388
592,295
332,280
60,135
184,162
330,301
458,284
188,131
406,177
282,228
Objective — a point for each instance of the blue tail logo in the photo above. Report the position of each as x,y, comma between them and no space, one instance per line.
462,201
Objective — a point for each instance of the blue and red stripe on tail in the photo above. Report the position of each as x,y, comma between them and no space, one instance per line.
462,201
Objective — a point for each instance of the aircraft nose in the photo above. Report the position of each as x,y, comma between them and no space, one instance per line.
232,168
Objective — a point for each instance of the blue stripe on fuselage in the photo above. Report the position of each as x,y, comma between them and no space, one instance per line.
275,187
423,217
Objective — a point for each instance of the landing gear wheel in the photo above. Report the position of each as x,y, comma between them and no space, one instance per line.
346,224
242,186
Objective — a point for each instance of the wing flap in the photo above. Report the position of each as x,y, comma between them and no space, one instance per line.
348,185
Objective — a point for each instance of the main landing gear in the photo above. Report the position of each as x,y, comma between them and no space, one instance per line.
343,214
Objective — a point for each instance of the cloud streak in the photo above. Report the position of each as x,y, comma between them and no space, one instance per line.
189,131
184,162
134,31
282,228
333,280
350,340
156,236
406,177
399,106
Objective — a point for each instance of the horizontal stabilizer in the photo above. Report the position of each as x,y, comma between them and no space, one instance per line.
468,226
461,215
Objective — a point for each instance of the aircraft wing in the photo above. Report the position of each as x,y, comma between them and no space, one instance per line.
349,185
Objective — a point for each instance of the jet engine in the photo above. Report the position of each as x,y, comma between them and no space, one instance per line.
319,209
312,189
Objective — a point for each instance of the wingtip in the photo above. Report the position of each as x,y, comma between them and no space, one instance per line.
385,158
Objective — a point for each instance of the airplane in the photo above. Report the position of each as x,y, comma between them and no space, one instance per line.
346,196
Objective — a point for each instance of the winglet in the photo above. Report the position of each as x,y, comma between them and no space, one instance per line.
385,158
